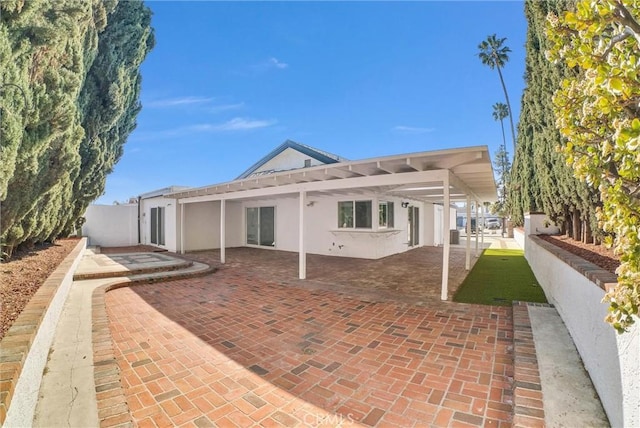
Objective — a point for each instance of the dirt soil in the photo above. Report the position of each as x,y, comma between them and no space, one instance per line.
21,277
599,255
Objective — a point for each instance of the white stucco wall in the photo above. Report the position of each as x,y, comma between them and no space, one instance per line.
612,360
322,235
172,226
288,159
111,225
201,226
428,220
518,235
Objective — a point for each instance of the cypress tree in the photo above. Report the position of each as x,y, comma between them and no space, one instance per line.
78,64
543,181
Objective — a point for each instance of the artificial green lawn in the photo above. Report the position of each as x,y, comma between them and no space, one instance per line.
498,278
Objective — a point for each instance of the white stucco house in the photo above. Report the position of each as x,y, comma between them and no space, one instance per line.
298,198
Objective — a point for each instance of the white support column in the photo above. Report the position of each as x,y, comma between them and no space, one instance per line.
482,233
467,260
223,230
446,247
477,226
302,254
181,228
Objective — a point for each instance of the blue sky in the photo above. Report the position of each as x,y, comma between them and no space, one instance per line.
229,81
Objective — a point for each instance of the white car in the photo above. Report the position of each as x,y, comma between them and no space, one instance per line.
493,224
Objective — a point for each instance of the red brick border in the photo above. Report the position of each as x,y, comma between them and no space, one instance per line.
528,407
602,278
16,344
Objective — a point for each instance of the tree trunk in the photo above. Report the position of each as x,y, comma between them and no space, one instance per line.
566,224
506,96
586,233
576,225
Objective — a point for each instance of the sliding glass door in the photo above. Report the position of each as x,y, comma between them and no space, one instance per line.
157,225
261,226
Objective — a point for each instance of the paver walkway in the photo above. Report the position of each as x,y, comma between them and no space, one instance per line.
244,348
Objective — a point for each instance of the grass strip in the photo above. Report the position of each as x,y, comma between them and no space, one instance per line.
499,277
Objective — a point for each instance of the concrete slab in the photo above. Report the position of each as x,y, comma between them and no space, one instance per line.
570,399
93,263
67,394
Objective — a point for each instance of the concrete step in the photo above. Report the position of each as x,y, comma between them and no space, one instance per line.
94,265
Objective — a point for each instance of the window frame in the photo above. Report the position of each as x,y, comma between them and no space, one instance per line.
389,221
353,216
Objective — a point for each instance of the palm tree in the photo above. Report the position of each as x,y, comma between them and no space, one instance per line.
500,111
494,55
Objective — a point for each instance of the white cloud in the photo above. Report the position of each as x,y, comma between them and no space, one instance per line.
235,124
412,129
273,62
226,107
177,102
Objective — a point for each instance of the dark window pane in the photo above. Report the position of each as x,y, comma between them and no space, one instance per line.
363,214
345,214
267,226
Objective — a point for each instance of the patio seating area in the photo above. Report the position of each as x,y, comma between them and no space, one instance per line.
361,342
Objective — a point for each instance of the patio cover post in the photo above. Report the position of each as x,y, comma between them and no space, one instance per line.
467,260
302,254
223,222
482,232
446,226
477,226
182,228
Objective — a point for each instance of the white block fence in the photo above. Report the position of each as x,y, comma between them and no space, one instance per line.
576,288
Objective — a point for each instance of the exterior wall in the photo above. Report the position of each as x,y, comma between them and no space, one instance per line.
611,359
322,235
518,235
111,225
539,224
286,222
429,222
288,159
201,226
172,225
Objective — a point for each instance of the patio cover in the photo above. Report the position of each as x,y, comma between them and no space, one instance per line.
442,176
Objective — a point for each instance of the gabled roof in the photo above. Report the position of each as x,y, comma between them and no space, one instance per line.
319,155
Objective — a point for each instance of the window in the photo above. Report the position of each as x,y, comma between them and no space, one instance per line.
345,214
356,214
157,225
385,214
363,214
307,163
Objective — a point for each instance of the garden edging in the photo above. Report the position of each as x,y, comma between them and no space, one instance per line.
25,347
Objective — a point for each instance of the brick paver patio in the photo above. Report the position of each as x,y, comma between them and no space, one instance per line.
243,347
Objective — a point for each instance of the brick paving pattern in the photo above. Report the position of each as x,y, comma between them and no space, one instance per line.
243,347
